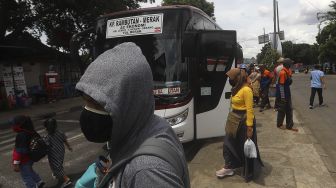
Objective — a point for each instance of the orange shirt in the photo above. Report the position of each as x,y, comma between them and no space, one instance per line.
284,73
267,73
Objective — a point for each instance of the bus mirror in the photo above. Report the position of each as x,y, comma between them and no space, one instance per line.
227,95
189,45
218,43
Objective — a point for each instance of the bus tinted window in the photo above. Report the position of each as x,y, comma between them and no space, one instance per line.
208,25
162,51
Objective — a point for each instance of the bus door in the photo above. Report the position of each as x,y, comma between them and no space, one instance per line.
216,51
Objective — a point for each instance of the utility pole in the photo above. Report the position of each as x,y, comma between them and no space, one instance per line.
274,21
277,8
264,35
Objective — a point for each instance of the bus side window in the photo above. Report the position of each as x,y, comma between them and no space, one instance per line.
208,25
196,23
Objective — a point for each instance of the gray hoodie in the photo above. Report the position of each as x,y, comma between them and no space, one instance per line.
121,81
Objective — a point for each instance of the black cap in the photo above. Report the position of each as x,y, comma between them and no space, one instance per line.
287,62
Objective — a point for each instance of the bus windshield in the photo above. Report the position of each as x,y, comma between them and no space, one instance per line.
162,51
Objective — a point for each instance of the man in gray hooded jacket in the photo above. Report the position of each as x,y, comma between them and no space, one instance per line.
118,90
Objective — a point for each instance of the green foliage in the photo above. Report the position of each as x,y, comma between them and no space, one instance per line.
300,53
331,15
207,7
262,54
271,56
326,40
15,17
57,19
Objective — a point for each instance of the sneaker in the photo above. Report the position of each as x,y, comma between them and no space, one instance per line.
310,107
40,184
322,104
66,184
224,172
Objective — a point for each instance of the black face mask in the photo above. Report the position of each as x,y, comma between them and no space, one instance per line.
96,127
232,82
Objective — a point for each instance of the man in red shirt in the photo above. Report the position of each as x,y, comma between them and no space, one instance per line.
265,82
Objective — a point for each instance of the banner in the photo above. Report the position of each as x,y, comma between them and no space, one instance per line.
134,25
20,84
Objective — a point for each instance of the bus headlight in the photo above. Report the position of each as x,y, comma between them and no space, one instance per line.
178,119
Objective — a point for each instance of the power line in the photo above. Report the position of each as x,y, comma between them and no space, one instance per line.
312,4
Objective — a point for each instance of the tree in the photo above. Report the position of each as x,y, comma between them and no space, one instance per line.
271,56
57,19
15,18
207,7
288,49
331,15
60,19
326,40
300,53
262,54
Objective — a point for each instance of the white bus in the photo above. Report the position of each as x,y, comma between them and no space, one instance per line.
189,55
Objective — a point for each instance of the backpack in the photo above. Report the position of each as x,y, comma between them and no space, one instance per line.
38,148
153,147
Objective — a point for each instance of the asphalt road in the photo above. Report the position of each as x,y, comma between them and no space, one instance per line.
76,162
319,121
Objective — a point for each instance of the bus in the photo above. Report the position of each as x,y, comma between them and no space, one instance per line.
189,55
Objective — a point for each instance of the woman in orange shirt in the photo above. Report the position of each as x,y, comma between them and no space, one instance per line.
240,126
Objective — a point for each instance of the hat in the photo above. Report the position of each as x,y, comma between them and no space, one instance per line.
287,62
243,66
280,60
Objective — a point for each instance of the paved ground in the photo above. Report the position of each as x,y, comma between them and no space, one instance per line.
75,164
290,159
319,122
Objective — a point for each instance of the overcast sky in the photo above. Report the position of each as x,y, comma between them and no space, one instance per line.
249,17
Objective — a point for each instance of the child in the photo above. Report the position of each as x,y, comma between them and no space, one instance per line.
22,163
56,140
94,174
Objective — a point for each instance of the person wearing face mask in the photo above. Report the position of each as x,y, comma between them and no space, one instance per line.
240,126
119,109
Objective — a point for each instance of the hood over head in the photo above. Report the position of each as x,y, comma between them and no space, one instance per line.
121,81
22,123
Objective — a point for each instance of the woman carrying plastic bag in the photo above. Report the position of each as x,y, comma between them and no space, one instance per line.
240,126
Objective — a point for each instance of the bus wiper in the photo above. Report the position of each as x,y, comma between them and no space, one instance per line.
164,99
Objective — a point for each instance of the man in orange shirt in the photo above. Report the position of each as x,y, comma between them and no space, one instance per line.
265,82
284,94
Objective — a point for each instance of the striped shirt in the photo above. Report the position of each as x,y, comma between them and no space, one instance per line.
56,152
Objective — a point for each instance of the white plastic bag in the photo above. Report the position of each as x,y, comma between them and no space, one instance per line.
250,150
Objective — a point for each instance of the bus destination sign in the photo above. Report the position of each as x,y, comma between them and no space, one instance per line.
134,25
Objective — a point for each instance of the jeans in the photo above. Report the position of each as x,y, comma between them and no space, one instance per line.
312,95
29,176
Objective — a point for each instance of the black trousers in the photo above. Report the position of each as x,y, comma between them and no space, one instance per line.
264,98
312,95
285,109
